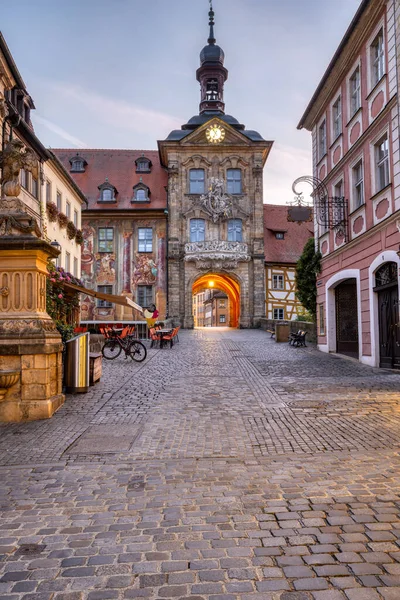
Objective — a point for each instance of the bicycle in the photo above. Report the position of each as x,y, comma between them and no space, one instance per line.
130,345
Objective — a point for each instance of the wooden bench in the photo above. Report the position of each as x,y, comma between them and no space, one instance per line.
95,367
298,339
271,331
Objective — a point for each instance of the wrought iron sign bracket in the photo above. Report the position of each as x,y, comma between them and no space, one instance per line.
331,212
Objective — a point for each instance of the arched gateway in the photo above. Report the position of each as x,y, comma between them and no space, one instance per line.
215,202
226,283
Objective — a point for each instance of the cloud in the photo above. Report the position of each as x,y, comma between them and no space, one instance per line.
119,113
283,166
59,131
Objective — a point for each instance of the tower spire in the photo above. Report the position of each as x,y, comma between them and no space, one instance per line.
211,38
212,73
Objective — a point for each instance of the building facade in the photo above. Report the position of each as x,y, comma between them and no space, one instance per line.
354,119
198,309
284,242
216,309
63,227
215,203
124,230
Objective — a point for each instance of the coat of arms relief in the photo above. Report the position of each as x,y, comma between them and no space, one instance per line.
217,253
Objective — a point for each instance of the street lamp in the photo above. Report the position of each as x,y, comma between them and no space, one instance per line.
56,246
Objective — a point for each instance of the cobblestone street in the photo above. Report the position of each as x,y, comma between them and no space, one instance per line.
228,467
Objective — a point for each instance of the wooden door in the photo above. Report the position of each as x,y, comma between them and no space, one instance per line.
346,318
387,288
389,328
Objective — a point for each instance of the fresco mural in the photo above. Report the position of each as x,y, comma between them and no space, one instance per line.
144,270
105,269
124,269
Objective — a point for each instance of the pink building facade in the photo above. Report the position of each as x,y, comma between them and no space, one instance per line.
354,120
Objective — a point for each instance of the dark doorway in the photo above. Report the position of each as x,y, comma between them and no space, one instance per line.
347,318
386,286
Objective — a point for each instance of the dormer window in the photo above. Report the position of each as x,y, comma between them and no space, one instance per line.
141,193
107,192
78,164
143,164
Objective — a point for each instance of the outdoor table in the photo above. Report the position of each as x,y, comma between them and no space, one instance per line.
161,333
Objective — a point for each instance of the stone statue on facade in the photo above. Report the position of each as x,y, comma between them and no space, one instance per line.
12,160
216,202
15,219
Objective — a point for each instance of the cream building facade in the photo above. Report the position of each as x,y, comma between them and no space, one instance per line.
60,190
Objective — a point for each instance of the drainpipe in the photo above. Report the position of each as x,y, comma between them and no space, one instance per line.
166,212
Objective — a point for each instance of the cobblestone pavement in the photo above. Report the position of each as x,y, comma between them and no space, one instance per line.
228,467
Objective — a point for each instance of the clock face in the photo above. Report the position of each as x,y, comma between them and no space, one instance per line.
215,134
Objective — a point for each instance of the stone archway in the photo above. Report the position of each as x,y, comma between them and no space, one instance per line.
227,284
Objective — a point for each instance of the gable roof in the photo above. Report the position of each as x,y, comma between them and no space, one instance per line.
120,169
290,248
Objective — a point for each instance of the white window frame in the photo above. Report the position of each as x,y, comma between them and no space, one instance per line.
353,185
48,191
322,141
356,93
107,238
376,61
234,186
197,233
235,230
376,188
337,128
278,318
68,262
278,281
335,193
145,240
196,181
68,209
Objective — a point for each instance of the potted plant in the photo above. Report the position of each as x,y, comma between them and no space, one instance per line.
62,220
71,230
52,211
79,236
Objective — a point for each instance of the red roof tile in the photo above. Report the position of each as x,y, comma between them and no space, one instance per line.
290,248
120,169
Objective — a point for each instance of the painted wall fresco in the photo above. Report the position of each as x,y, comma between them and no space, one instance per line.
124,269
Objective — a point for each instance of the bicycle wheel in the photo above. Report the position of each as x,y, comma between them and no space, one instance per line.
111,349
137,351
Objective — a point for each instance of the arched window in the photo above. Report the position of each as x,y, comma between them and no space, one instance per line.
143,164
141,193
196,181
197,230
386,275
78,164
107,195
107,192
234,181
234,230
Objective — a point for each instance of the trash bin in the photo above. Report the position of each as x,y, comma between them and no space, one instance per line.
282,331
77,364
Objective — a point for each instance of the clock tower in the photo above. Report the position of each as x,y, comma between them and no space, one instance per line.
215,203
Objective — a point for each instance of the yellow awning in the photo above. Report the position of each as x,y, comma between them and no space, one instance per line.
107,297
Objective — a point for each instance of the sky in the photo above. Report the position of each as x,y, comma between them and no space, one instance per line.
122,73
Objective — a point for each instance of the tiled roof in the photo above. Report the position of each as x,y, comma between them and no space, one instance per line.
296,235
119,167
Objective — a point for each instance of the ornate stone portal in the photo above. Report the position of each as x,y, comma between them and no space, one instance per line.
30,344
